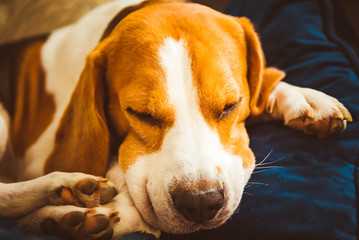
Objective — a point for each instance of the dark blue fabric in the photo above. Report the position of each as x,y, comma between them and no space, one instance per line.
311,191
8,231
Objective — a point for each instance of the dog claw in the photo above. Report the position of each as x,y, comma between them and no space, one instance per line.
114,214
117,220
104,180
271,105
348,117
309,113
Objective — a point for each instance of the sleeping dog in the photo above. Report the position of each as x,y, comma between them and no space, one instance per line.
166,87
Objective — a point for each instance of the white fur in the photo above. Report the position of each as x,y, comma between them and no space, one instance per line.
291,102
20,198
4,130
191,149
63,58
32,222
29,202
131,218
190,152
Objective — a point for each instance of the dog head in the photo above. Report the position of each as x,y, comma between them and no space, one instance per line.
176,82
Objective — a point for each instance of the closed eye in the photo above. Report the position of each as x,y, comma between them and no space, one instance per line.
145,117
228,109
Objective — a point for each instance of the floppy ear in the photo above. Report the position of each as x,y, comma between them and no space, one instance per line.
82,139
261,80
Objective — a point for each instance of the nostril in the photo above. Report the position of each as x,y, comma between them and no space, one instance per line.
198,206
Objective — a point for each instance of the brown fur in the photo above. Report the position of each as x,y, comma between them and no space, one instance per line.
34,107
259,89
82,140
105,90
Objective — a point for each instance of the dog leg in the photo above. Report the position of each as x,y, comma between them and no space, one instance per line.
57,188
307,110
73,205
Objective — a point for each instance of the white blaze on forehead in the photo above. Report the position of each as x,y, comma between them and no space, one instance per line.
176,62
190,140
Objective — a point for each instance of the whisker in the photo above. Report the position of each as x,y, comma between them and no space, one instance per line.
268,167
268,163
265,170
248,194
259,183
265,158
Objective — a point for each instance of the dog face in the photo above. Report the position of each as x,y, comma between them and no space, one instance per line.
184,94
180,81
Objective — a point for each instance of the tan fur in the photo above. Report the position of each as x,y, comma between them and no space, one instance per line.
83,135
82,140
259,89
34,107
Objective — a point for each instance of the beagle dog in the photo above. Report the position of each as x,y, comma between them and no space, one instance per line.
165,87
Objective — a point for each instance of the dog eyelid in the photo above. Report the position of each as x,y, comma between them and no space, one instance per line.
228,109
145,117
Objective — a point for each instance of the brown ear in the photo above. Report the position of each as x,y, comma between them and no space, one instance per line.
261,80
82,139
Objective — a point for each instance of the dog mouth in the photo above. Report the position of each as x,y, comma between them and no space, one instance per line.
164,215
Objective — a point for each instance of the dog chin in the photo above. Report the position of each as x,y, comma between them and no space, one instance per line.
189,227
163,216
178,225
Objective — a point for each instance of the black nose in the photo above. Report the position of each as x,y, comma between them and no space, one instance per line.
198,206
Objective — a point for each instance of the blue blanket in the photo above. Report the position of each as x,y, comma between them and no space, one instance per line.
310,190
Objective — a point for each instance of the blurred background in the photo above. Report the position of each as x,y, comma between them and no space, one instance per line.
26,18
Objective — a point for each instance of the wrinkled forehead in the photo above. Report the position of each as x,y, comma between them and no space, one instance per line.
214,43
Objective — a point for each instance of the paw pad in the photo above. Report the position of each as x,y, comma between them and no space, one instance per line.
107,194
81,225
87,186
87,192
65,195
73,219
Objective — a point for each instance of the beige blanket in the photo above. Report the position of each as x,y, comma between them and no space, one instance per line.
25,18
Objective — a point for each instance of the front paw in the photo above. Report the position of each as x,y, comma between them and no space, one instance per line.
308,110
81,190
79,223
